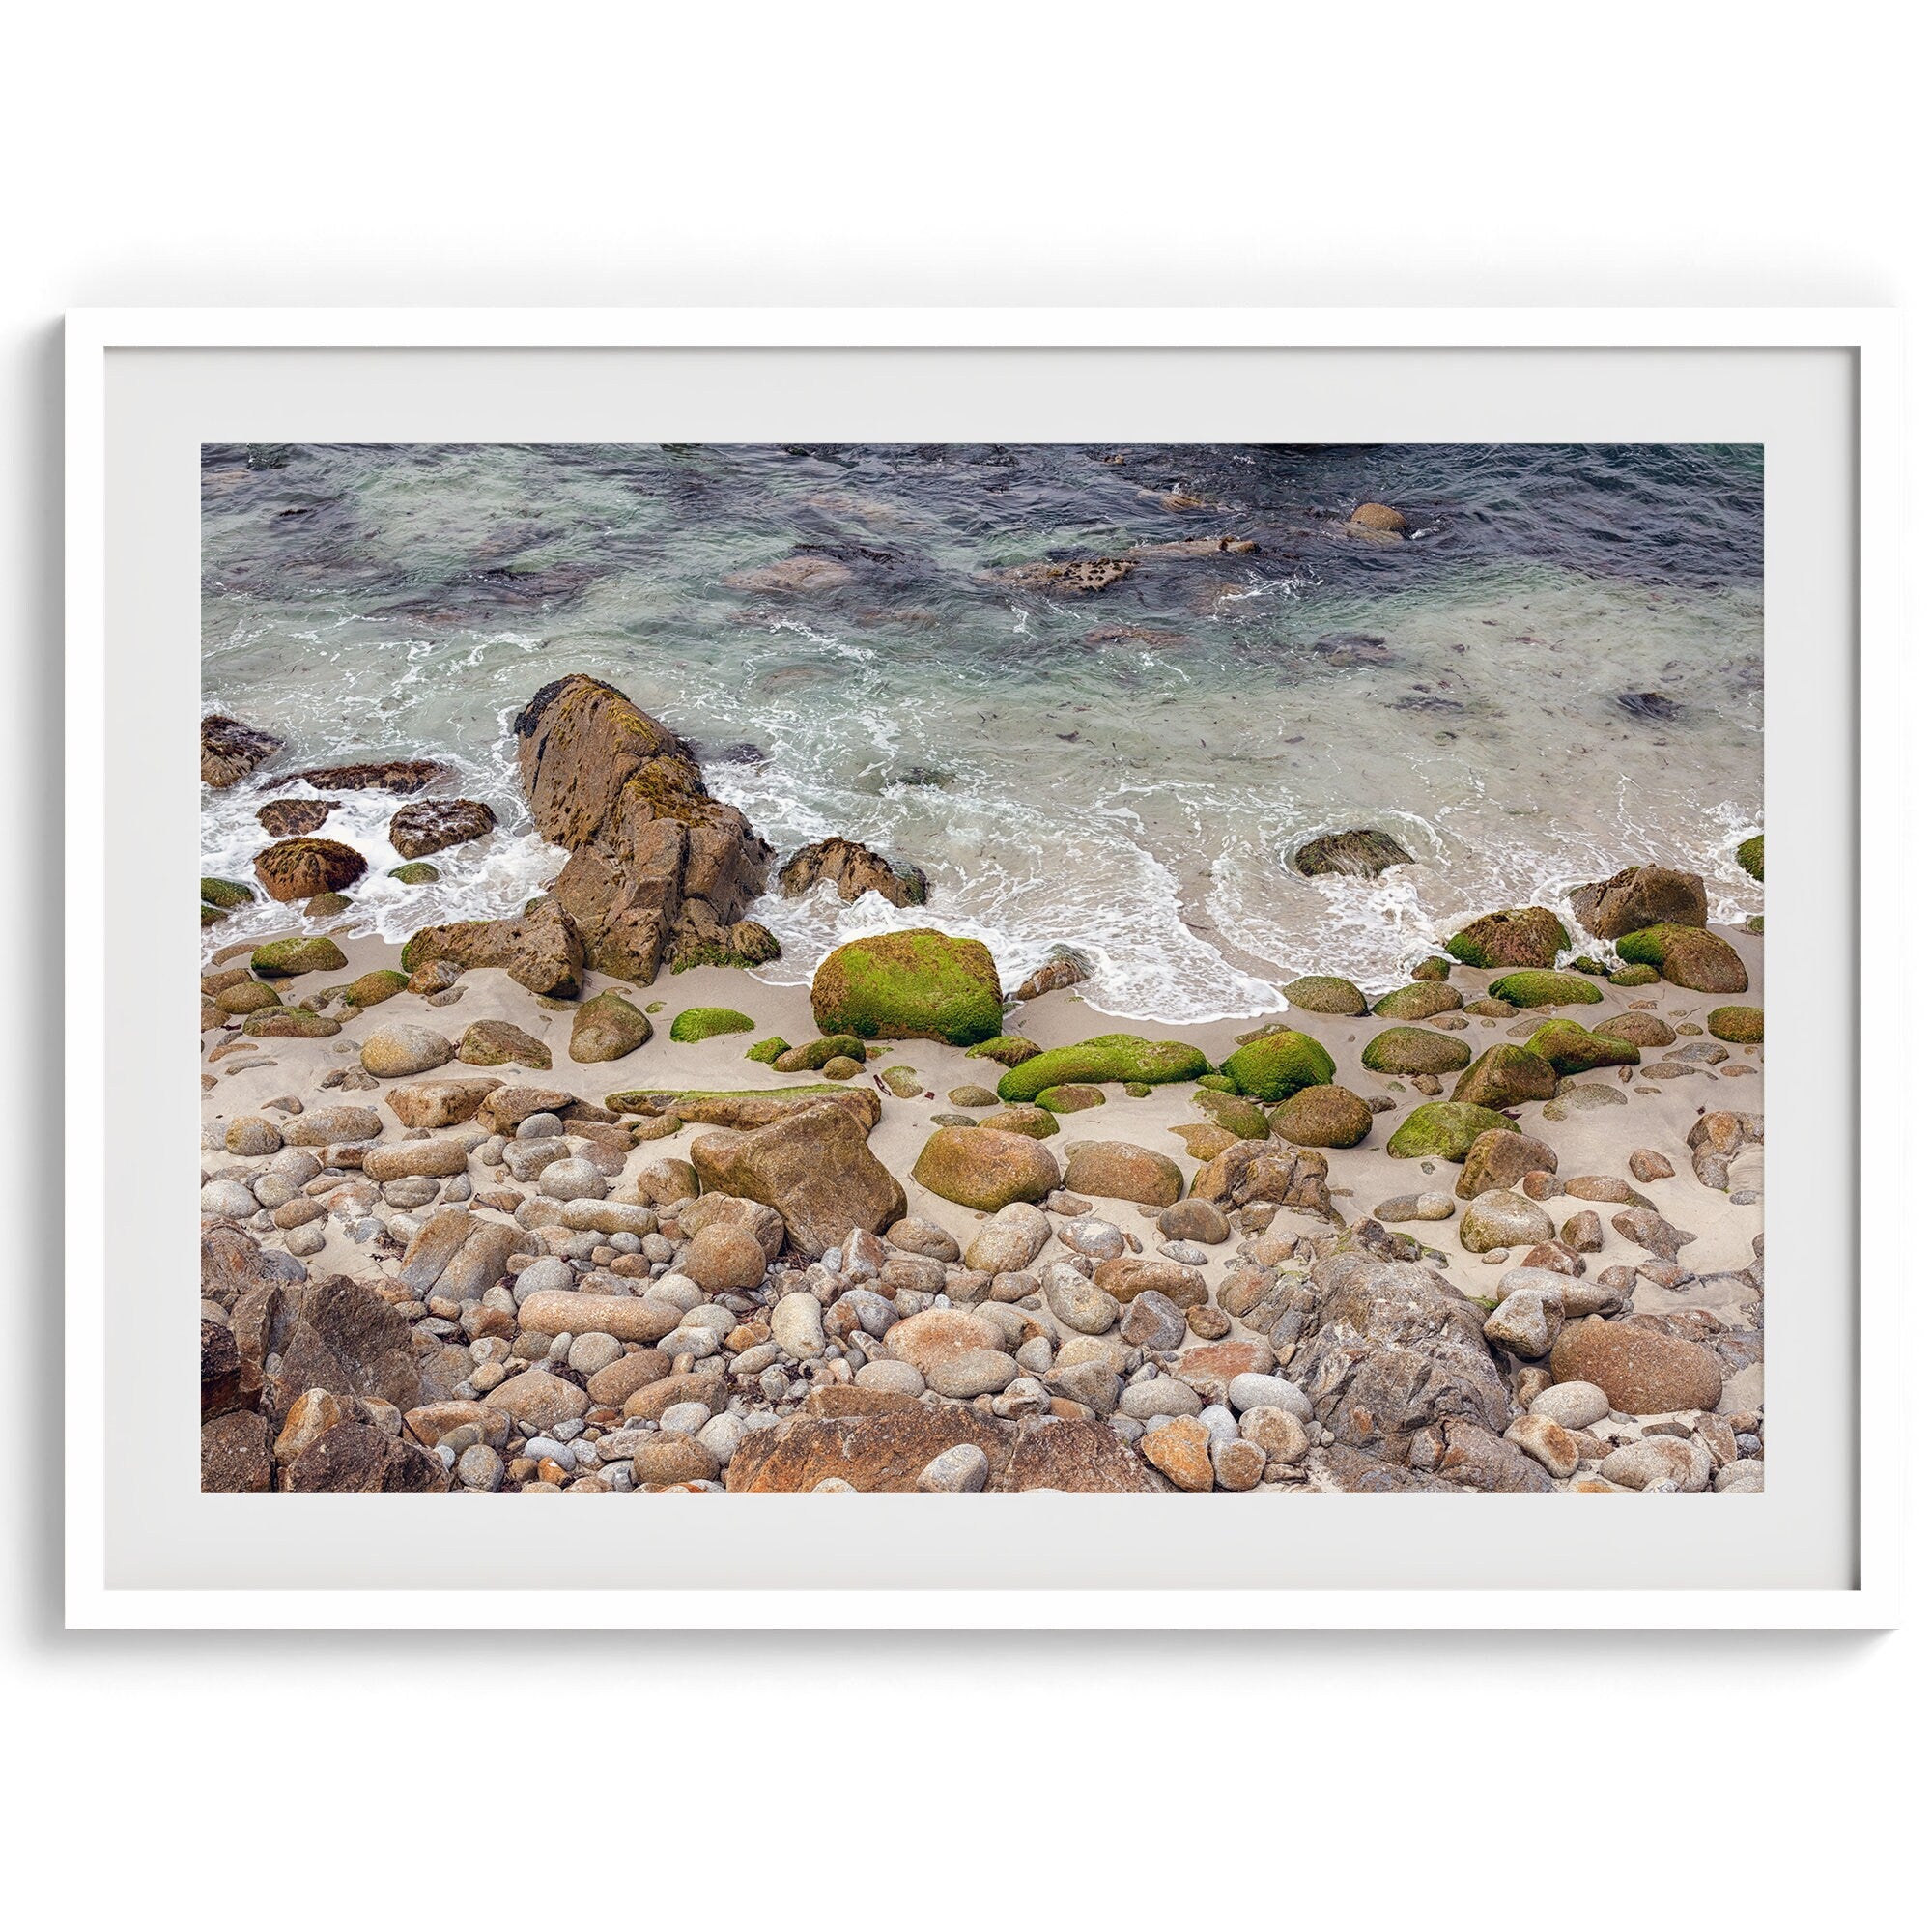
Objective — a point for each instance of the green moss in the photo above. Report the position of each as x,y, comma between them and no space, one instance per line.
1218,1082
372,988
655,1099
1648,947
766,1050
1444,1130
1007,1048
1323,994
1414,1050
1545,989
1522,936
903,1082
211,915
1432,968
1506,1076
284,958
327,905
1574,1049
1688,957
1278,1064
1420,1000
227,894
1741,1026
698,1023
906,985
1229,1111
1750,855
288,1023
416,872
1112,1056
1755,923
1137,1090
1635,976
1070,1099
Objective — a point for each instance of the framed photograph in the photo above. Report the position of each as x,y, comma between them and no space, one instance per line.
983,968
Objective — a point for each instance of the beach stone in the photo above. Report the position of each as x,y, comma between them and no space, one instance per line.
1526,1321
1637,896
1444,1130
1547,1442
961,1471
665,1460
571,1179
252,1135
1076,1302
1323,1117
1505,1075
1659,1459
1238,1463
611,1387
438,1103
1122,1170
1651,1231
1098,1239
1745,1476
1322,994
1420,1000
433,824
941,1335
913,985
1278,1432
1522,936
591,1353
982,1167
1266,1391
1363,854
1010,1241
722,1257
299,868
228,1198
797,1324
1194,1221
479,1468
401,1159
1572,1405
1641,1030
235,1455
1181,1451
813,1167
1500,1219
497,1043
326,1126
1160,1395
396,1050
1153,1322
923,1238
1687,957
606,1026
541,948
1130,1275
1412,1050
537,1400
1502,1158
249,996
629,1318
976,1371
1640,1371
891,1377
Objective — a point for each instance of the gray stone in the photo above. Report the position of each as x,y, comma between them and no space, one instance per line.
1572,1405
1253,1391
961,1470
1161,1395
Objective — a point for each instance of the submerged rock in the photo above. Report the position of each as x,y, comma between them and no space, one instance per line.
292,818
853,869
1750,855
433,824
231,750
1362,854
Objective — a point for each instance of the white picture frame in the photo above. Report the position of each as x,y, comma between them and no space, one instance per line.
1874,1512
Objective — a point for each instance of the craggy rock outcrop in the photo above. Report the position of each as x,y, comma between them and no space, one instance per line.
405,776
1637,896
853,869
658,867
540,948
1296,1178
231,750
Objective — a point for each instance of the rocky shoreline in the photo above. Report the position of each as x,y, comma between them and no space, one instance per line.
569,1202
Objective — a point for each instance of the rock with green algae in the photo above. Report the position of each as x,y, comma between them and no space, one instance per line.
1750,855
416,872
973,1097
1218,1082
227,894
1023,1118
1279,1063
1322,993
1111,1056
1687,955
766,1051
1636,976
1007,1048
1136,1089
903,1082
1520,936
327,905
500,1043
1323,1117
842,1067
289,1023
1240,1118
1406,1049
660,1099
374,988
698,1023
1070,1099
1433,967
285,958
1419,1000
922,985
817,1054
1506,1076
606,1026
1638,1028
211,915
1545,989
247,996
1574,1049
1444,1130
985,1168
1741,1026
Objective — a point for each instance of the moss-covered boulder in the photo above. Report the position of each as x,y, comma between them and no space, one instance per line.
1242,1118
1545,989
1323,1117
1007,1048
1750,855
1278,1064
1035,1123
1434,967
1072,1097
1405,1049
211,915
1506,1076
1638,1029
698,1023
1636,976
922,985
765,1051
1419,1000
1687,957
1574,1049
973,1097
605,1028
1109,1055
415,872
373,989
285,958
247,996
1742,1026
289,1023
1218,1082
1321,993
985,1168
814,1055
1522,936
1444,1130
227,894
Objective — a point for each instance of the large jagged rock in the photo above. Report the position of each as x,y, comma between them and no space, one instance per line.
1637,896
1393,1350
433,824
659,870
814,1166
540,948
231,750
1250,1170
853,869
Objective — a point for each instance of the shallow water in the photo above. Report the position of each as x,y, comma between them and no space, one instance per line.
1128,772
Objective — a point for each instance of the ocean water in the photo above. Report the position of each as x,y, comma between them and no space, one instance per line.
1555,674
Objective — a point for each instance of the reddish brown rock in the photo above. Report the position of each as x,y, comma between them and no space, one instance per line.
297,868
540,948
403,776
1500,1158
234,1458
853,869
231,750
1643,1371
1128,1275
433,824
1637,896
813,1167
293,817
